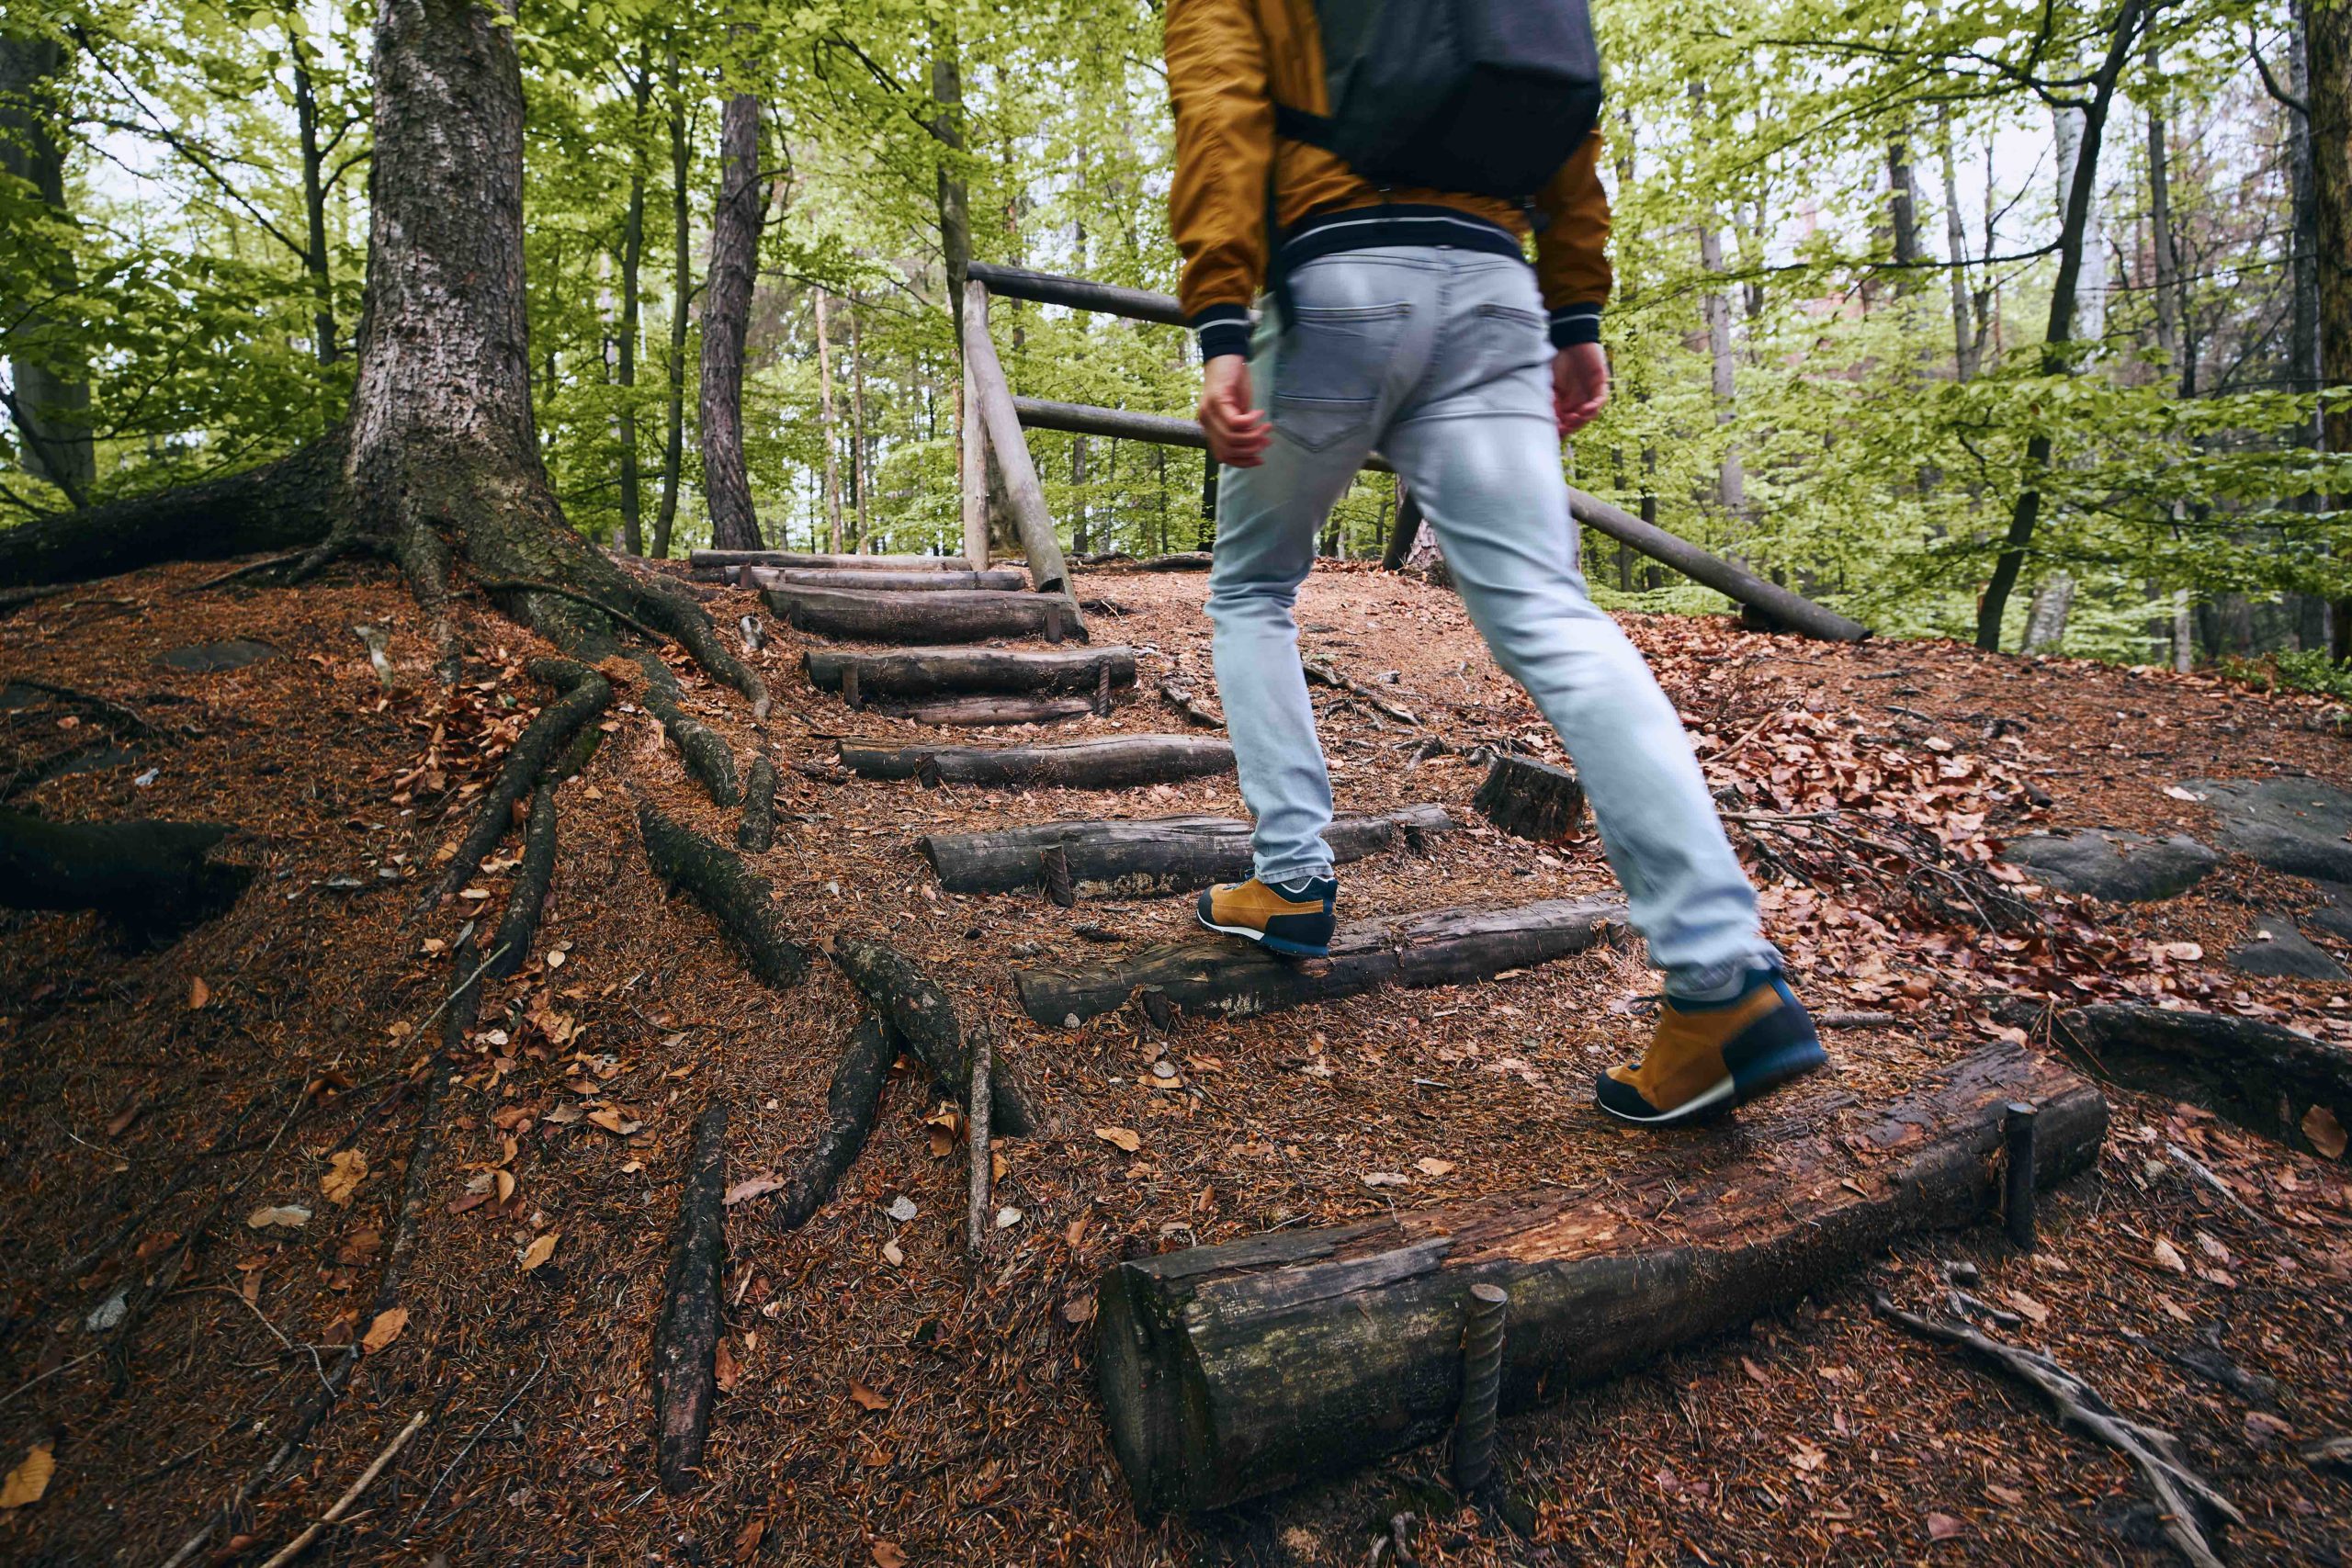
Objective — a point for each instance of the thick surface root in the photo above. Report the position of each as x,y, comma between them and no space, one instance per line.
733,895
685,1340
920,1014
539,748
151,880
704,750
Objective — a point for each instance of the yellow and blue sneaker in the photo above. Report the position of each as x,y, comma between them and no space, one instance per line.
1293,918
1710,1056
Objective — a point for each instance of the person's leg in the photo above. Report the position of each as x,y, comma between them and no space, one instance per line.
1482,451
1327,382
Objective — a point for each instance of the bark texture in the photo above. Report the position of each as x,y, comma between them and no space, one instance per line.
920,1014
961,615
1234,979
51,399
1227,1372
1114,763
851,1101
959,671
882,582
726,321
1530,800
738,899
151,880
2262,1076
1156,855
686,1339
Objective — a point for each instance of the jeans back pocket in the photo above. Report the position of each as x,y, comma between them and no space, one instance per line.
1328,368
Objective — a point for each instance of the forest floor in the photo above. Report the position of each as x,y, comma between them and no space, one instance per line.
886,1403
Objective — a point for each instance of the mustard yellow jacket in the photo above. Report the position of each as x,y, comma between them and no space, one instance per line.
1230,61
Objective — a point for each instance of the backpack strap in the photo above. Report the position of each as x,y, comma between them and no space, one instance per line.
1298,125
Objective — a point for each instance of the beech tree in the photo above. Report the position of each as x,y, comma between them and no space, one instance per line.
436,466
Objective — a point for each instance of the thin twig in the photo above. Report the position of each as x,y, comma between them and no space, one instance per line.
44,1377
295,1548
479,1431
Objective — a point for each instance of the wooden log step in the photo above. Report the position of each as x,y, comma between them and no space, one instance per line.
1529,799
978,710
958,672
957,615
803,561
1226,975
882,582
1152,855
1113,762
1232,1371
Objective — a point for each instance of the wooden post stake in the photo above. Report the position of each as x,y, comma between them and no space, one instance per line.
976,1220
972,466
1482,1378
2018,1154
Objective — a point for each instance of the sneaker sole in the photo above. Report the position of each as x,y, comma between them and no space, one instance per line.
1282,945
1781,1069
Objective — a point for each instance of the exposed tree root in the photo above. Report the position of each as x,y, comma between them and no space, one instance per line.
921,1016
534,586
585,693
113,711
756,831
686,1339
2186,1502
512,945
733,895
705,752
850,1103
151,880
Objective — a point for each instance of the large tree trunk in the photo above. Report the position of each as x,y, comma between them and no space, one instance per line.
2058,337
51,397
437,463
725,321
954,204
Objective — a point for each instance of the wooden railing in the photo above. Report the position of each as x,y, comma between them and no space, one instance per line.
1001,416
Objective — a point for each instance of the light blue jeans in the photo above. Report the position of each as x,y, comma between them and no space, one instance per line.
1439,357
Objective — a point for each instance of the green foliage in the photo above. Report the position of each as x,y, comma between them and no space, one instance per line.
1876,477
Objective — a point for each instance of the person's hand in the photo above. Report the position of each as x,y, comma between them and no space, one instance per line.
1579,385
1237,433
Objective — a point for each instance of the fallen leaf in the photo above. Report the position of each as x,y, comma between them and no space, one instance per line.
1122,1137
504,1180
2008,1495
344,1173
555,960
1755,1372
29,1479
292,1215
747,1539
2324,1131
2261,1426
540,1250
865,1398
1079,1309
902,1209
751,1187
2027,1306
119,1122
611,1120
893,1253
564,1115
198,993
1943,1527
1386,1178
2179,793
2169,1256
384,1330
1007,1217
471,1200
725,1369
1434,1167
888,1555
1805,1457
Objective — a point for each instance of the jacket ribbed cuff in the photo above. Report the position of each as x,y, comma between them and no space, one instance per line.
1223,328
1574,324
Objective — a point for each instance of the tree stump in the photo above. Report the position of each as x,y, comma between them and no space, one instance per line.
1530,800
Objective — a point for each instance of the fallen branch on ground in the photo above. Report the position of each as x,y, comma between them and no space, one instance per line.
2185,1501
1900,858
296,1547
1323,672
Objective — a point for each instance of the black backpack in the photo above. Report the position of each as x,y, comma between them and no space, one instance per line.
1484,97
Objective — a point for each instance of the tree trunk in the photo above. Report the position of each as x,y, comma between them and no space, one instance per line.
726,321
1903,206
625,369
315,197
860,460
2303,353
1966,339
2329,41
826,423
2045,620
1731,480
955,202
438,462
52,399
2057,337
673,447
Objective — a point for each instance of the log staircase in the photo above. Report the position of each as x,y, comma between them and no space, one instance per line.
1228,1370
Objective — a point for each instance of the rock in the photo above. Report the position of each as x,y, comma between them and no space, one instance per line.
211,658
2333,917
2127,867
2277,949
2294,825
